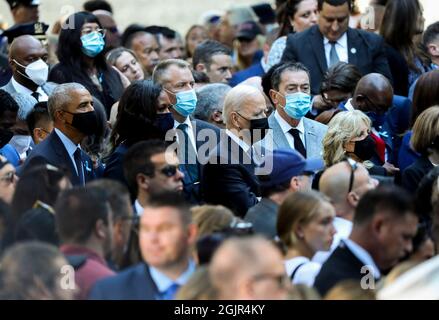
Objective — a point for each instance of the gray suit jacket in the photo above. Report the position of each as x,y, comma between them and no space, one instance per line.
48,87
314,133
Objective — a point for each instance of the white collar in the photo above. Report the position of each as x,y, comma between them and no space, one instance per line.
342,41
163,282
348,105
240,142
24,90
286,127
187,121
363,256
68,144
138,207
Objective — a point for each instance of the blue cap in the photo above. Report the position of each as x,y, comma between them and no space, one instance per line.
288,163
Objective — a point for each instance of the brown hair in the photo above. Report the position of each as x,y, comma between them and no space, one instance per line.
426,93
425,130
298,208
210,219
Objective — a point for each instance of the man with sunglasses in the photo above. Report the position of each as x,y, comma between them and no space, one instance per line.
345,183
150,168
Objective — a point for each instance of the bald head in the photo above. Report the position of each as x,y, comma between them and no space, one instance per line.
238,260
335,182
246,100
24,43
374,93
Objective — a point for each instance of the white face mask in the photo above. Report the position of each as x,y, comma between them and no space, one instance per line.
20,143
37,71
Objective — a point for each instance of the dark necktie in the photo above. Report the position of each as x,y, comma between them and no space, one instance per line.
36,95
78,162
298,144
189,153
333,56
169,294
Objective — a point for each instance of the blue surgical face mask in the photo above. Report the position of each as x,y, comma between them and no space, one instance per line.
297,105
186,102
92,44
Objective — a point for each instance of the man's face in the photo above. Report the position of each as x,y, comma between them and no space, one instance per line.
167,176
178,80
8,181
252,108
170,48
25,55
8,120
271,281
395,236
378,101
363,182
226,31
333,20
147,50
42,129
81,102
26,14
163,238
112,35
290,82
220,69
247,48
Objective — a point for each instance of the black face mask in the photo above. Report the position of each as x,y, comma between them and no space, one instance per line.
86,122
261,125
5,136
365,149
164,122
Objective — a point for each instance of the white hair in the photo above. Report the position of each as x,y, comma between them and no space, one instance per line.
236,99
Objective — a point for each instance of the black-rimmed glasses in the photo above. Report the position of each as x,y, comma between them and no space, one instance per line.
353,164
169,170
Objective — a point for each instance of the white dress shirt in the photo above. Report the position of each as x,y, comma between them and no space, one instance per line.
240,142
69,145
286,127
138,207
306,273
26,91
341,47
190,131
364,257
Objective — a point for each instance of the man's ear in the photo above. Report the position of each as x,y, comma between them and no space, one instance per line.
142,181
217,117
100,229
273,96
200,67
433,49
192,231
12,64
353,199
294,184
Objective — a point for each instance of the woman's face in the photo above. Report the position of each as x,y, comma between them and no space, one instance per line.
364,132
129,66
318,234
164,103
195,37
306,15
8,181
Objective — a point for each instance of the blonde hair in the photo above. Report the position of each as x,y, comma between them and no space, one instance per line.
425,130
198,287
341,129
210,219
298,208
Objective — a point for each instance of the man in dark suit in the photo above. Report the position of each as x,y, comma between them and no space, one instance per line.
189,135
331,41
166,236
71,109
229,175
382,233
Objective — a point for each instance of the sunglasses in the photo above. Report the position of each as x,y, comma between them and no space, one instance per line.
169,170
353,164
8,177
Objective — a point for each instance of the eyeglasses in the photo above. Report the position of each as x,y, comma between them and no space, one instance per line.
353,164
169,170
281,279
90,30
8,177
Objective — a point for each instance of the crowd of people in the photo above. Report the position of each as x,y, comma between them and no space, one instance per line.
284,150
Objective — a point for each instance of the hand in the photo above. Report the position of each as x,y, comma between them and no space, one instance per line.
320,104
390,168
123,78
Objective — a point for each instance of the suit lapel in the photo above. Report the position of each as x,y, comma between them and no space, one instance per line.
318,49
353,45
279,139
311,142
63,156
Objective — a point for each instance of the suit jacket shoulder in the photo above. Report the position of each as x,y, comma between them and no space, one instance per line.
135,283
341,265
9,88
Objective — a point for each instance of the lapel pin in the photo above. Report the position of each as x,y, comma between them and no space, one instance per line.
354,51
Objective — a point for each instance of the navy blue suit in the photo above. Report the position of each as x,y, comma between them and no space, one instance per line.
52,151
229,178
254,70
134,283
114,164
307,47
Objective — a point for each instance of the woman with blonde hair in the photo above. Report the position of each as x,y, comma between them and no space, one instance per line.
349,136
305,226
425,141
